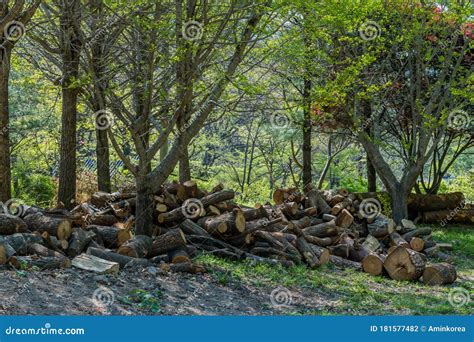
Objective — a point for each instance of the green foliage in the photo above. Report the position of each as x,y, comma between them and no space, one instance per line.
149,301
386,203
463,182
34,188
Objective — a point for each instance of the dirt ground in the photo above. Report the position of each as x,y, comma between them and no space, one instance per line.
150,291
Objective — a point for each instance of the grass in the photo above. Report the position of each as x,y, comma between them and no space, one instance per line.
356,293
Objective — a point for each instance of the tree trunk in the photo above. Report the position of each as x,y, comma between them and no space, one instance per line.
145,207
184,170
103,161
98,66
399,205
371,176
5,171
71,45
307,176
67,163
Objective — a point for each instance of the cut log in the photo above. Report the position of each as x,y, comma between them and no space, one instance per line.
381,227
428,202
417,244
439,274
6,251
344,219
397,240
314,199
59,245
214,224
10,224
123,208
324,229
435,252
422,202
449,216
61,228
191,228
213,210
41,263
345,263
262,224
322,253
122,260
79,240
92,263
43,251
179,255
180,213
373,264
371,243
112,237
287,195
255,214
328,217
405,264
137,247
336,199
322,242
308,253
417,233
101,220
167,242
407,226
20,242
236,220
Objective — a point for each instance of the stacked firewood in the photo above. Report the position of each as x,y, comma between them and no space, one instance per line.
314,228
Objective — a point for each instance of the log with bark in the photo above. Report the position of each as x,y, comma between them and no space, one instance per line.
111,236
122,260
10,224
95,264
405,264
6,251
373,263
61,228
137,247
449,216
178,255
439,274
181,212
167,242
79,240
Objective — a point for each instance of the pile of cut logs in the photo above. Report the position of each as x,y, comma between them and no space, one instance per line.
314,228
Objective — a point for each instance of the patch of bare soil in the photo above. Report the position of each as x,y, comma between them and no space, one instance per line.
147,292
